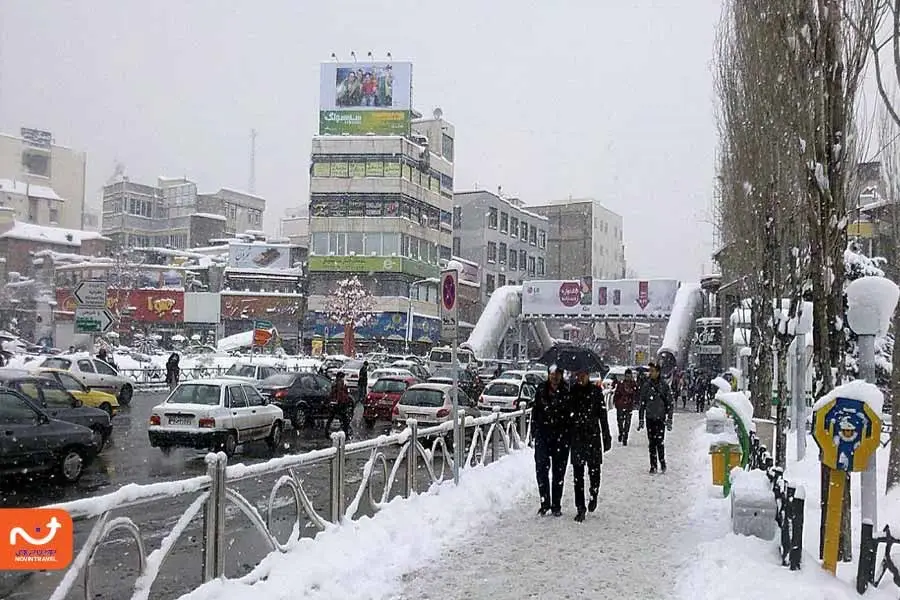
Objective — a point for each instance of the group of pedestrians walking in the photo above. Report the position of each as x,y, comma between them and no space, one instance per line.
570,424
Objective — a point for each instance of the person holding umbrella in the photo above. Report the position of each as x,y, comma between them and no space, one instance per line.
590,438
658,406
550,422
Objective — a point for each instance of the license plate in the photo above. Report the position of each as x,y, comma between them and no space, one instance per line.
180,420
498,403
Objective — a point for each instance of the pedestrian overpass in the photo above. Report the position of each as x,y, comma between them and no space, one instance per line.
534,303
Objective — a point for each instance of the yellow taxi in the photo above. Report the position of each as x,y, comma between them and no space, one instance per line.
88,396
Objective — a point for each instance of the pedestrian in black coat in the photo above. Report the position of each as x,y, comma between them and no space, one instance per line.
657,407
550,426
173,370
590,438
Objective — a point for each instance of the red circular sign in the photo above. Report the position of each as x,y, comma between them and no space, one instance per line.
448,292
570,293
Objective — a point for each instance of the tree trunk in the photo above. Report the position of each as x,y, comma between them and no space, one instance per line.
349,340
893,472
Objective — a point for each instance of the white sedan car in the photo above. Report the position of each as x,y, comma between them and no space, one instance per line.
506,394
218,414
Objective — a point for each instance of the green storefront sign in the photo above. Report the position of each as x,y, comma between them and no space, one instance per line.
371,264
362,122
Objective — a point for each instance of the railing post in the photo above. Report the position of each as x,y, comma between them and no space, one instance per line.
214,519
411,457
797,510
494,435
339,441
523,424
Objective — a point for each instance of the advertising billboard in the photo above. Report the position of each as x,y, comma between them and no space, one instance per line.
259,256
146,306
254,306
587,298
362,98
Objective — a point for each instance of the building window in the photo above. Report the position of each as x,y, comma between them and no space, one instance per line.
444,253
523,231
492,218
457,217
456,249
532,235
542,239
513,226
504,222
390,244
502,256
54,215
501,280
489,284
447,147
36,163
531,266
540,266
492,252
513,260
523,259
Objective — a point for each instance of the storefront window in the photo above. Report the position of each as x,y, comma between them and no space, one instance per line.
373,244
391,244
355,244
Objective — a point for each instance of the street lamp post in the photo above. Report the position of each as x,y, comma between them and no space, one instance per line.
409,307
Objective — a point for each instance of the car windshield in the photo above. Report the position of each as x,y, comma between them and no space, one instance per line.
421,397
241,371
57,363
447,374
389,385
512,375
440,356
510,390
278,380
195,394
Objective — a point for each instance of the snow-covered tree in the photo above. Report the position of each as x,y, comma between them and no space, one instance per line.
350,305
856,265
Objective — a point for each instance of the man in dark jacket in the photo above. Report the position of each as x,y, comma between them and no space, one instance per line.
590,438
341,405
362,383
624,399
550,424
657,407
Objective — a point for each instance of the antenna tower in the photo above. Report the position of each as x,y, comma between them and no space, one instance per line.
252,186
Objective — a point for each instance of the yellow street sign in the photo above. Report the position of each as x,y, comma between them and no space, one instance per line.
848,433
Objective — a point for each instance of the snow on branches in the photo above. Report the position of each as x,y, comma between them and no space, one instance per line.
856,265
350,304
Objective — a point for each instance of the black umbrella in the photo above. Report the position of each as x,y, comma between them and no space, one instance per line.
573,359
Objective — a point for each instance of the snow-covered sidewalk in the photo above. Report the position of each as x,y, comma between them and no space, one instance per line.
629,548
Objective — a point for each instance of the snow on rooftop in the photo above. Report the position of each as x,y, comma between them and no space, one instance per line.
50,235
210,216
12,186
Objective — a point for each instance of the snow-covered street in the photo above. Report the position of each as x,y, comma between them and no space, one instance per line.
629,548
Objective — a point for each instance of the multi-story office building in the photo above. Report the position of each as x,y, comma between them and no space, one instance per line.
506,239
172,214
295,227
583,238
380,208
42,181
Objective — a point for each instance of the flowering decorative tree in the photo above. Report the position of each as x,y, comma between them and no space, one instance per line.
351,305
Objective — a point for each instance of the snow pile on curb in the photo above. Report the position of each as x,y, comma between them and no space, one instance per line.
365,558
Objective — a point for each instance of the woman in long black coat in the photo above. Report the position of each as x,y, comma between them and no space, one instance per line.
590,439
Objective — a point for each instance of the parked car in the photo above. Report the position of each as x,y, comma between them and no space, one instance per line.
218,414
430,404
416,368
247,372
467,380
441,358
303,397
90,397
58,403
333,364
385,372
506,394
94,373
32,442
384,395
350,369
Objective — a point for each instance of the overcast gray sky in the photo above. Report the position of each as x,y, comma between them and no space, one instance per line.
549,99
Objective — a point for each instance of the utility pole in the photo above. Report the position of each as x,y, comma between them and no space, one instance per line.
252,186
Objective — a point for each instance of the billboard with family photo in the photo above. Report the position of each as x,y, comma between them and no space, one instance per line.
361,98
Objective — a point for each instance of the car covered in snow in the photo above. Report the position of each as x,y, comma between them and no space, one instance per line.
93,373
506,394
218,414
248,372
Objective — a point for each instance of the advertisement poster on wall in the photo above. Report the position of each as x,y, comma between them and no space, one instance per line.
253,306
146,306
259,256
365,97
651,298
384,327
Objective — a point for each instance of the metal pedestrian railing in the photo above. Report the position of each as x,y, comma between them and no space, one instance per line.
151,377
490,436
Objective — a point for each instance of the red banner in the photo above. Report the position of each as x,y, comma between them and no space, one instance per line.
252,306
147,306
